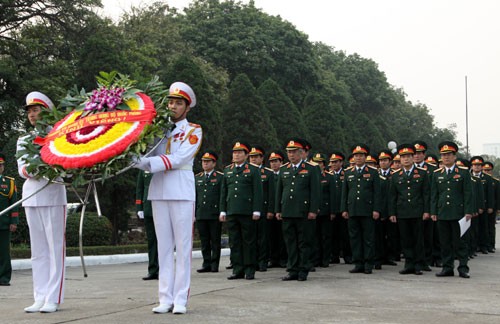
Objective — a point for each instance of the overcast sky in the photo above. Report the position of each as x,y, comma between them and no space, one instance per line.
425,47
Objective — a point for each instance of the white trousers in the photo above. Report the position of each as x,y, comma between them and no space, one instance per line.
174,221
47,226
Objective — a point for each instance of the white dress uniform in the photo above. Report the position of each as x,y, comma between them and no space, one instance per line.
46,216
172,194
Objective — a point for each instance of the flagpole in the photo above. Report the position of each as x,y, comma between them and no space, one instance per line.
466,120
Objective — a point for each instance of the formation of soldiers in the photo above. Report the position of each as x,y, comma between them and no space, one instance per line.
369,210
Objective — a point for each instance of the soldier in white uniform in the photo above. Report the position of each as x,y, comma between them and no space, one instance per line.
46,216
172,194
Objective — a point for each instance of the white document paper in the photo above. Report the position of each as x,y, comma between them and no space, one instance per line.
464,225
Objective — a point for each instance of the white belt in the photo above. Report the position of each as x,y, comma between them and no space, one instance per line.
186,167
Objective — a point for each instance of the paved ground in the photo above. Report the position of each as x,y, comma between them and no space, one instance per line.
116,294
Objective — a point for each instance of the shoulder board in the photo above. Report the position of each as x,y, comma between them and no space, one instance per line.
374,168
312,163
421,168
438,170
285,165
463,168
228,166
194,125
10,178
485,174
200,174
269,169
473,178
255,165
349,168
329,172
397,170
382,177
221,173
496,178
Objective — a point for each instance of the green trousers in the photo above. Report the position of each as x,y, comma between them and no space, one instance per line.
299,235
5,266
453,246
412,242
362,236
210,235
243,243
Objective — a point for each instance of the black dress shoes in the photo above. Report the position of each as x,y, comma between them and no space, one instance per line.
378,267
290,277
201,270
214,269
236,276
151,276
407,271
444,273
250,277
368,271
263,268
419,272
4,284
357,270
464,275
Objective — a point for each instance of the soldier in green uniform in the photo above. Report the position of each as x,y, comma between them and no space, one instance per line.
208,186
277,248
325,214
431,235
409,204
386,233
488,169
240,206
145,212
340,233
451,199
8,222
297,202
478,202
489,203
256,157
360,204
396,162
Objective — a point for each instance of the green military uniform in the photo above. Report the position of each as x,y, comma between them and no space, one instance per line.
241,196
387,249
409,199
297,194
323,243
478,194
488,166
208,187
485,217
277,248
143,204
268,194
451,199
8,196
340,233
360,198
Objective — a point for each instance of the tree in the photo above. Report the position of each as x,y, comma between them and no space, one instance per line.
244,118
286,119
243,39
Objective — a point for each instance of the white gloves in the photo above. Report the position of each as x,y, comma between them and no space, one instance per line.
140,214
141,163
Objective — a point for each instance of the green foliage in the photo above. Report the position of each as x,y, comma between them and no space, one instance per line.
96,230
245,118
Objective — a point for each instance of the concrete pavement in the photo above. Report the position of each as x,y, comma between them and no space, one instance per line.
116,294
